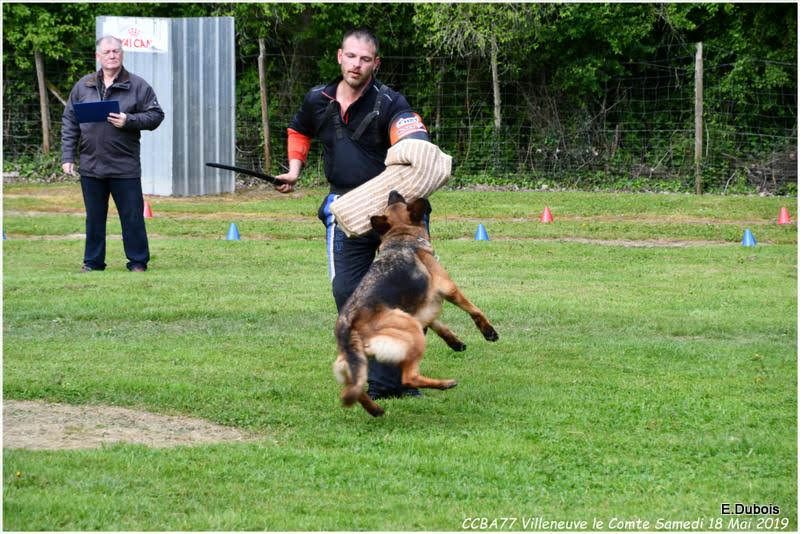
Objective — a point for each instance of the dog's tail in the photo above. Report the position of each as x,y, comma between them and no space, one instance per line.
354,376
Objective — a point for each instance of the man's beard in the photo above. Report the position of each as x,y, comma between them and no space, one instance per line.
359,83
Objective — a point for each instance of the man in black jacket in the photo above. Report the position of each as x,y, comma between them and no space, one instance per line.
357,119
110,154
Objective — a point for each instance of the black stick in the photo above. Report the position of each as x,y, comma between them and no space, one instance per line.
265,177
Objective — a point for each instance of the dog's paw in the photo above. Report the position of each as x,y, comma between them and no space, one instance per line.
449,384
490,334
350,395
457,346
375,411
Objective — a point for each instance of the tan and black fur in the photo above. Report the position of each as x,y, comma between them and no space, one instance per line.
397,299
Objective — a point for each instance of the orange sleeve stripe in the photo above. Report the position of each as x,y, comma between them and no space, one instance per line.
298,145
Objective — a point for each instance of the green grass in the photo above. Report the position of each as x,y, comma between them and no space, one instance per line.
629,381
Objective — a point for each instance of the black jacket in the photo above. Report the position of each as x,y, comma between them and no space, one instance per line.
354,146
107,151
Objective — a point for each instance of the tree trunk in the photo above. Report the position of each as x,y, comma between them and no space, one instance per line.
44,109
262,82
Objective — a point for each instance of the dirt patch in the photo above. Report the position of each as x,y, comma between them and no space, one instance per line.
630,243
627,243
641,243
44,426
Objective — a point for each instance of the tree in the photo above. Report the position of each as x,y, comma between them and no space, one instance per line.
38,32
479,30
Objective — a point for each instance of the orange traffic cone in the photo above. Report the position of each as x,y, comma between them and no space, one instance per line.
783,217
546,217
148,212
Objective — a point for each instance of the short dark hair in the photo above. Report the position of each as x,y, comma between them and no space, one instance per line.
363,34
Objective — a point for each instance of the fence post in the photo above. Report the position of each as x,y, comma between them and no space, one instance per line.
437,123
498,122
44,109
262,82
698,119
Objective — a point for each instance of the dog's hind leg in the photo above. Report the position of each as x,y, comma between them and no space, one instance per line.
370,405
398,339
413,379
353,386
350,367
341,371
352,392
411,376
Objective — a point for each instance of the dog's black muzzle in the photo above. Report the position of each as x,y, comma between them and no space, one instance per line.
395,197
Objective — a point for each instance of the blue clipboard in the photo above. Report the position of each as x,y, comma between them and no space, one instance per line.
95,111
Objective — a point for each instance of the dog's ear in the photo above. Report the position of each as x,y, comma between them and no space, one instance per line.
380,223
418,209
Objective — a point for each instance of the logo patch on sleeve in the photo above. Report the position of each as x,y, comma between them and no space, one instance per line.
407,124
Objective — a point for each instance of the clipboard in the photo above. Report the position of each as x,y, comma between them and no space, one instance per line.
95,111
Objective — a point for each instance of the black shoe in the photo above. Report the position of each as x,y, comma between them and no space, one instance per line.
394,394
137,269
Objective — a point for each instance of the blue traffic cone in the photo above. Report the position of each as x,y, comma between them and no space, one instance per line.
480,234
233,233
748,240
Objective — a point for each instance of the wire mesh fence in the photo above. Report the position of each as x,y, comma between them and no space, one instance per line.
635,132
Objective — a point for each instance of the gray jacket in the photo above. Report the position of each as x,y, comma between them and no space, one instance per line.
107,151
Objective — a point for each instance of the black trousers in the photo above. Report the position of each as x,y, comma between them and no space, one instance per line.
127,195
349,259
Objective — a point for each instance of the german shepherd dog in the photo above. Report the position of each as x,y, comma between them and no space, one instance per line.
399,297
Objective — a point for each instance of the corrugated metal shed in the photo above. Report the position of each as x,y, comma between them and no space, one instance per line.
190,63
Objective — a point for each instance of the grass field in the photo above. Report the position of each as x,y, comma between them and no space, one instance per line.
646,368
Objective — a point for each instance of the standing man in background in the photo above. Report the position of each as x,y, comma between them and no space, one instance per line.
110,154
357,119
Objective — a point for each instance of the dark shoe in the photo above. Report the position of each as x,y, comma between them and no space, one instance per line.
395,394
138,269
